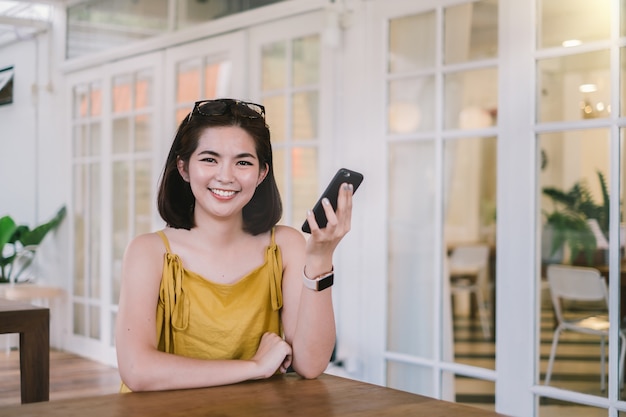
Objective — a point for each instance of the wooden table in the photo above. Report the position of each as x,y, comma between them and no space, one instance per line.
33,325
282,395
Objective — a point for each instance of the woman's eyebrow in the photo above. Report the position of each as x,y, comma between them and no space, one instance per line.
241,155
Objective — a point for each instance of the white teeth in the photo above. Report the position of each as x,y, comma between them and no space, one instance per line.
223,193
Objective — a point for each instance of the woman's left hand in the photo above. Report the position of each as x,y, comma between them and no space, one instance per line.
323,242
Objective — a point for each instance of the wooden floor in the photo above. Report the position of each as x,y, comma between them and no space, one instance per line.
70,376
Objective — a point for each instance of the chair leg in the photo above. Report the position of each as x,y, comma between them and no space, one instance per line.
602,365
555,341
483,313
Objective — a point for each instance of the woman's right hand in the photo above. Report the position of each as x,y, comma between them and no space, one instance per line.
273,353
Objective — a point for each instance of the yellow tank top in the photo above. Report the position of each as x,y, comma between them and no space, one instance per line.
202,319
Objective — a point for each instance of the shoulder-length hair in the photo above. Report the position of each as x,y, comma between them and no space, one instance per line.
176,201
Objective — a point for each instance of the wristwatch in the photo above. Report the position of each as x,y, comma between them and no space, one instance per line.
319,283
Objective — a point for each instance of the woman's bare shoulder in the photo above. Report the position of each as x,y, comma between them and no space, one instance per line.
146,244
289,240
287,234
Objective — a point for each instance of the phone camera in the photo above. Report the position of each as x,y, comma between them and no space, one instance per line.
346,174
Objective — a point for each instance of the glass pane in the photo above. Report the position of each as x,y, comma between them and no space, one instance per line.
305,190
80,141
94,231
412,42
574,87
100,25
143,132
193,12
80,213
549,407
94,322
217,79
411,105
276,117
469,232
188,81
571,23
95,132
575,198
80,325
122,86
95,99
274,66
471,31
470,190
410,236
410,378
306,57
475,392
305,115
121,135
143,89
81,101
143,197
471,99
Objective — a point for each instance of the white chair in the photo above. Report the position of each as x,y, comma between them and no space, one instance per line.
601,240
469,273
575,283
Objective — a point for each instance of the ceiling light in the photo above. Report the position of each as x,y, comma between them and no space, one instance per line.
588,88
571,42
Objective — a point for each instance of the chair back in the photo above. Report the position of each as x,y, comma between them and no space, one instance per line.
575,283
469,257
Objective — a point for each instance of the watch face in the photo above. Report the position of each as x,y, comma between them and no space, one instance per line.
325,283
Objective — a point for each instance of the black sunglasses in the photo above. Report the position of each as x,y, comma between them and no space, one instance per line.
219,107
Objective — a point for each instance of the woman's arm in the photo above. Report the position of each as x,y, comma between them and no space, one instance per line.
144,368
308,316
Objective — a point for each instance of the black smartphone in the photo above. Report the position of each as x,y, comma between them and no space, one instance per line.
343,175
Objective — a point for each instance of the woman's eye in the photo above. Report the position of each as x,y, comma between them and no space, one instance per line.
210,160
244,163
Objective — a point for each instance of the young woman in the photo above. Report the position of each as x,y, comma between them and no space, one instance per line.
223,294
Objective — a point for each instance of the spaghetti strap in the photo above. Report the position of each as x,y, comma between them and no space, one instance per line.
165,241
272,241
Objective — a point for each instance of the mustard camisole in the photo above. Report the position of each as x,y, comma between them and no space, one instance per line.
202,319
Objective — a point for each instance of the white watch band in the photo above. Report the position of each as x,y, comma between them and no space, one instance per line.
320,282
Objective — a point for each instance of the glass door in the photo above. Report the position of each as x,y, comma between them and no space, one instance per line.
441,102
114,127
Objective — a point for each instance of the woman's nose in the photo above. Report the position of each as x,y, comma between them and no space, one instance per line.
225,174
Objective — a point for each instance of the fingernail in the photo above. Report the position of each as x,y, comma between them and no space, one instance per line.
325,201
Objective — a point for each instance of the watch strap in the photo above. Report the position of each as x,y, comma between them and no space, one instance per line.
320,282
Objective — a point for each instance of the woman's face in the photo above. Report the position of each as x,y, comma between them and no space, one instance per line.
223,171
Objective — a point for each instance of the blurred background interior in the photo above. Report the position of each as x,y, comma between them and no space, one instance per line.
490,133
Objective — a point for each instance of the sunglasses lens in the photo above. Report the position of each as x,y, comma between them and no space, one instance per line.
212,108
250,110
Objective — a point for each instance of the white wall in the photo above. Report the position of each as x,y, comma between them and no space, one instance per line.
34,160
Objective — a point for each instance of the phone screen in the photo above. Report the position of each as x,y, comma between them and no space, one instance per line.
343,175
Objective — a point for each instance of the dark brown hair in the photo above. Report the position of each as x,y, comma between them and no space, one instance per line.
176,201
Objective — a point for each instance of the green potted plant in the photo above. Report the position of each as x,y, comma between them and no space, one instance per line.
19,243
567,223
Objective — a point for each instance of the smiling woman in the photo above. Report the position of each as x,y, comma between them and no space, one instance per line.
225,280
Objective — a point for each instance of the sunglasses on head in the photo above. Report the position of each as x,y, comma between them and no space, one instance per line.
220,106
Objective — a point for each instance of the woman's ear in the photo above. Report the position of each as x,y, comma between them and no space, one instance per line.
263,174
182,169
